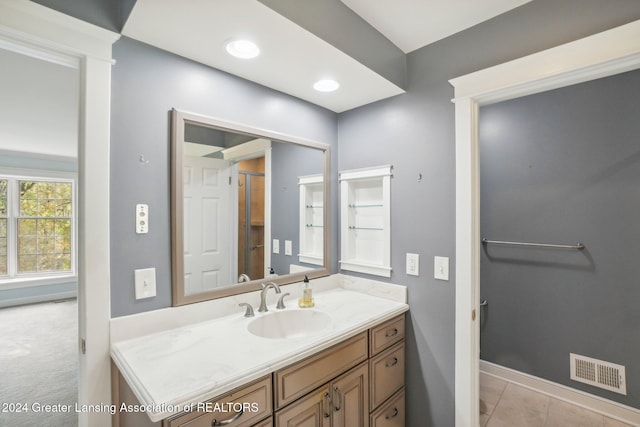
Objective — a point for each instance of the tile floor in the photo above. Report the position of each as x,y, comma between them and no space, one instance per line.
504,404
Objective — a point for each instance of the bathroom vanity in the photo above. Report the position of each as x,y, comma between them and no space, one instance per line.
340,363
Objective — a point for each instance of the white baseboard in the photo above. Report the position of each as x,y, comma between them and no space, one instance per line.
37,298
603,406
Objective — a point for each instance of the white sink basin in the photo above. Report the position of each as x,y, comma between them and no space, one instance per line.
289,324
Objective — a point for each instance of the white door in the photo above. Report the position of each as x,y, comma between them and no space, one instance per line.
207,224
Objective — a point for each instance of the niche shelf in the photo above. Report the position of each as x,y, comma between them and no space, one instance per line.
365,213
311,219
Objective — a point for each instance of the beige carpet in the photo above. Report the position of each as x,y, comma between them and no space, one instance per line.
38,364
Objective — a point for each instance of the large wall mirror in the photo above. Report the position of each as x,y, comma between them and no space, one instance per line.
236,192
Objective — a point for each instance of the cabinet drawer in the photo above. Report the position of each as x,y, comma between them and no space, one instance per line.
386,334
266,423
391,414
386,374
248,405
294,381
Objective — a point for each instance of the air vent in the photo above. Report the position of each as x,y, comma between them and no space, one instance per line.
608,376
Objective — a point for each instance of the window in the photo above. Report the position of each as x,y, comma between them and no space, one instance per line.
36,227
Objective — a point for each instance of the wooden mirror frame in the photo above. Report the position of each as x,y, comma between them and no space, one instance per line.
179,119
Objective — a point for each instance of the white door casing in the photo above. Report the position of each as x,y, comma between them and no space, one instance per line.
35,30
207,209
597,56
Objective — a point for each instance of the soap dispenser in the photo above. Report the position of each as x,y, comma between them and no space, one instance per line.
307,295
272,273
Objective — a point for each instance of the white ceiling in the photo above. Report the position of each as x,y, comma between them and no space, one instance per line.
412,24
39,112
292,58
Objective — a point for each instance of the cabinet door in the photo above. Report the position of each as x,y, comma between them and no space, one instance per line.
314,410
351,398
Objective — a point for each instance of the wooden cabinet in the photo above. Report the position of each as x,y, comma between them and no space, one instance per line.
386,373
343,402
371,394
356,383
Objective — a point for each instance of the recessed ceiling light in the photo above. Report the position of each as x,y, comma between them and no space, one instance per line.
244,49
326,85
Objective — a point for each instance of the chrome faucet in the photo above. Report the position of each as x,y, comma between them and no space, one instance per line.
263,295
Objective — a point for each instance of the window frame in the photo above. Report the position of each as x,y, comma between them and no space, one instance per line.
13,279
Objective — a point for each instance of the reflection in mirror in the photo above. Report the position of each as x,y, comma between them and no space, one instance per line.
235,191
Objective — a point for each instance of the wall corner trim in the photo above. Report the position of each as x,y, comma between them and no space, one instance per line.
24,22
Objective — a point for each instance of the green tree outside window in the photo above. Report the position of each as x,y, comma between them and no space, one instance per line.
44,226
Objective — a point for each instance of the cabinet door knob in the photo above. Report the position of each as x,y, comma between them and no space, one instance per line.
392,362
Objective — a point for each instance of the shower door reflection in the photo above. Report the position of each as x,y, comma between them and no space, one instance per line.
251,218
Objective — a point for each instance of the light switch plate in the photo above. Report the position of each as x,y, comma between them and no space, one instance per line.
413,264
441,268
276,246
145,283
288,249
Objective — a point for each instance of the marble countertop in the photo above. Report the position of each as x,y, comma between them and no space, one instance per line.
171,369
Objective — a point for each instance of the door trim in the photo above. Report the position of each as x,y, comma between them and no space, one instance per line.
597,56
38,31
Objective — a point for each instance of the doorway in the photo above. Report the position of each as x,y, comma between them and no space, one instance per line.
251,209
38,31
608,53
38,245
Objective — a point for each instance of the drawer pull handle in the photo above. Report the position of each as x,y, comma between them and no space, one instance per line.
327,397
395,414
390,334
392,362
216,423
337,408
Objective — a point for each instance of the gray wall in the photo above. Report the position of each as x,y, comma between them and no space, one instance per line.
147,83
415,133
288,163
563,167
